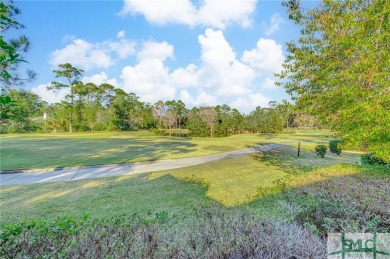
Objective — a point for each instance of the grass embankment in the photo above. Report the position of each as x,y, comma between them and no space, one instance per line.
31,151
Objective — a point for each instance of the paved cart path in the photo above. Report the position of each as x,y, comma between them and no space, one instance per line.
91,172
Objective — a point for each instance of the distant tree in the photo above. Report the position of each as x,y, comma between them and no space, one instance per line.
29,112
236,122
254,120
56,117
223,120
196,123
170,118
338,70
181,112
91,104
158,112
72,76
209,116
287,112
272,121
119,111
177,109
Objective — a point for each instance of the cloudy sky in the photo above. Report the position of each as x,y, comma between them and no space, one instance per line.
202,52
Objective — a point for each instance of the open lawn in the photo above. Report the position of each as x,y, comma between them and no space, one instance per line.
31,151
257,203
231,182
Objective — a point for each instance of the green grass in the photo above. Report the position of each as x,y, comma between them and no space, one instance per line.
32,151
99,197
286,158
230,182
318,195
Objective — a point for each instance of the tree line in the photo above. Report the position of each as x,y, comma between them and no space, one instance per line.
104,107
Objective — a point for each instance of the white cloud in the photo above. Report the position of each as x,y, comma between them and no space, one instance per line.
269,84
222,75
160,12
155,50
267,58
220,68
218,14
83,54
185,77
219,78
275,21
213,13
50,96
148,79
99,79
250,102
121,34
123,48
202,98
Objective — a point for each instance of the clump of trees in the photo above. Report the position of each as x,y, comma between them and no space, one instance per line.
11,51
90,107
338,70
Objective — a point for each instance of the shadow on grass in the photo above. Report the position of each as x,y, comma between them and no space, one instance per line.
100,198
339,196
287,159
65,152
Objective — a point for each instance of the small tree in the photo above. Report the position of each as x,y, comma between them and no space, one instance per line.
335,146
338,70
158,112
209,116
72,76
321,150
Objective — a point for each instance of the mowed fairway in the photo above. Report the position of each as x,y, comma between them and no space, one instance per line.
35,151
232,182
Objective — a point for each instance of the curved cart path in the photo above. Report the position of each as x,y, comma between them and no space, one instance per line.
91,172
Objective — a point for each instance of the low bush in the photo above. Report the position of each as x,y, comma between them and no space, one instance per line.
159,132
320,150
335,146
99,127
207,233
328,201
372,159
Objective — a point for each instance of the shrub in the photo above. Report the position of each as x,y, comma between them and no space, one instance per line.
159,132
341,198
99,127
344,205
372,159
335,146
321,150
207,233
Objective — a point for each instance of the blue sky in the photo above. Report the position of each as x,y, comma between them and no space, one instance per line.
203,52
